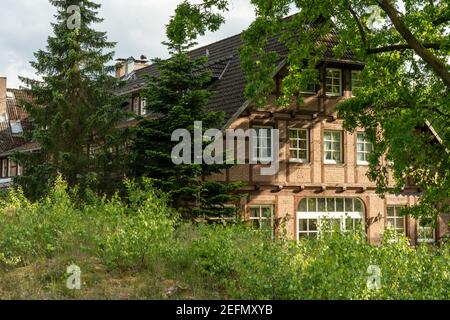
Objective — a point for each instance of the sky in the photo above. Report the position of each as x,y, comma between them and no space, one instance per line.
138,27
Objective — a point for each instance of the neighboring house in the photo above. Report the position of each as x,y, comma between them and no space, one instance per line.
13,122
323,168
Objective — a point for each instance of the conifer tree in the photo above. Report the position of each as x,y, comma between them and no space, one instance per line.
176,99
74,109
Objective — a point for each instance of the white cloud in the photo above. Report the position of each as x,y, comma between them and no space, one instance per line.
138,27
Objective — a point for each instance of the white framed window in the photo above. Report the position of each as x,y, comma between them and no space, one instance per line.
333,147
136,105
143,110
333,82
262,143
261,216
318,216
425,233
356,81
395,221
363,148
12,170
299,145
5,168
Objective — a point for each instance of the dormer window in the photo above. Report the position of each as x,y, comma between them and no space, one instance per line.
334,82
16,127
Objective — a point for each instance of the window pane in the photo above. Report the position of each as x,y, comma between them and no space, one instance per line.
303,205
254,212
337,156
313,225
349,205
267,213
358,205
312,205
339,204
321,205
303,225
400,223
330,205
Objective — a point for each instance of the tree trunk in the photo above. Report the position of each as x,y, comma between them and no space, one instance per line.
439,67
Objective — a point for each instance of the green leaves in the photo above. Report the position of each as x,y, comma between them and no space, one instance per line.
74,109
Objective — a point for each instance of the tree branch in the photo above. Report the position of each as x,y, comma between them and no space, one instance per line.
439,67
401,47
360,26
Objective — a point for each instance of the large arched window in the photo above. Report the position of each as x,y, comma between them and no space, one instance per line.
318,215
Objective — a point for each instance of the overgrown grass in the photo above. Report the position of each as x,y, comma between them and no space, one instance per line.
138,248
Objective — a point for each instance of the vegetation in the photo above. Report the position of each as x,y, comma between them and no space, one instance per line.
139,248
406,81
74,109
178,97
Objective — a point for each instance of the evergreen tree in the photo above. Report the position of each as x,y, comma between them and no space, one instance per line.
74,109
177,98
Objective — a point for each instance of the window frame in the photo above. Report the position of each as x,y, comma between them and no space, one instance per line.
256,146
396,217
425,240
333,94
364,152
143,106
341,147
298,149
260,217
324,215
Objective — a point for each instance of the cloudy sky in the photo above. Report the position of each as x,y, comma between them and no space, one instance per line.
136,25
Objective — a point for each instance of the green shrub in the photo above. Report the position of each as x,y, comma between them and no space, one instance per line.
140,234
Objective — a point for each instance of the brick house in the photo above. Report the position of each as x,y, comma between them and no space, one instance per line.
14,121
322,175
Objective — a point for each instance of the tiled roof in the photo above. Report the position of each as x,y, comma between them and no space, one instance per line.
225,64
15,112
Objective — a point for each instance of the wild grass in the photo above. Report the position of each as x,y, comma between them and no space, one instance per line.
138,248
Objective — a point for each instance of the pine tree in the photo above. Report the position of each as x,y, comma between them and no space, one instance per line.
74,109
177,98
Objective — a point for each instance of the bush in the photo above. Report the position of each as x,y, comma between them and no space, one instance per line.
139,233
121,232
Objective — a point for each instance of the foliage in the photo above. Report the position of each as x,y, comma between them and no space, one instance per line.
74,109
140,243
178,98
405,86
121,232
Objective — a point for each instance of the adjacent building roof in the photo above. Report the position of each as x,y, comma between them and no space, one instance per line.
230,80
15,124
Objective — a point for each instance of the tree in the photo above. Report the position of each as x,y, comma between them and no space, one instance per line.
176,98
74,109
406,79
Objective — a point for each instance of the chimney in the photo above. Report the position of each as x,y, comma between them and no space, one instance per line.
2,97
126,66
